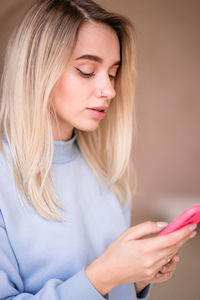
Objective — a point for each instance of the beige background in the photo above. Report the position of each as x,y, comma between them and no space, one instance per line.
167,150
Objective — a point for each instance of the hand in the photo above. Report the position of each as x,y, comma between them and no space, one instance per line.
164,274
166,271
130,258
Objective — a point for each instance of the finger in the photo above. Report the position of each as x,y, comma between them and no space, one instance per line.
176,258
191,235
162,258
144,229
160,277
170,267
177,238
170,257
183,234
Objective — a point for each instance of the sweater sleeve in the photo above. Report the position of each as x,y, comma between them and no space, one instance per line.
12,287
144,294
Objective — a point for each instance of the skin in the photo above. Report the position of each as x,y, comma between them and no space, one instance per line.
130,258
76,92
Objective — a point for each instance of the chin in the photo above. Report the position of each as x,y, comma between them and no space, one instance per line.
89,127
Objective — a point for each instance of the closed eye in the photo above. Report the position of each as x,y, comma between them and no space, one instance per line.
88,75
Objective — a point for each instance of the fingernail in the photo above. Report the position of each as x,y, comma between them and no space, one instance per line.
193,227
162,224
193,234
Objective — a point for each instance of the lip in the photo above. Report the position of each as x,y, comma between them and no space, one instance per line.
98,114
104,108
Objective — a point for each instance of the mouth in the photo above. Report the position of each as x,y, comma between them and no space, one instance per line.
99,108
97,112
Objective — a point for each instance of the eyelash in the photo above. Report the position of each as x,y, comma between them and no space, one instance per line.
89,75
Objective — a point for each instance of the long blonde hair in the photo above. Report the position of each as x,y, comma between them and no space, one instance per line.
36,57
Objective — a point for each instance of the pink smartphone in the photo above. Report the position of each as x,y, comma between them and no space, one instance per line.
190,216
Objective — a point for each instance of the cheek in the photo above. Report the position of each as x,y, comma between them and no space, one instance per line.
71,90
65,88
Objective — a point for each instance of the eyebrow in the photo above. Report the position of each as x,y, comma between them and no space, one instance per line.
97,59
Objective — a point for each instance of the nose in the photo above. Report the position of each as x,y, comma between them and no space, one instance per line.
106,88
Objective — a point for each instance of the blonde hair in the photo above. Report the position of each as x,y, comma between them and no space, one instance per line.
36,57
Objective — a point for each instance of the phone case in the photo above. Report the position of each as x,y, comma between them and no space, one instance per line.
190,216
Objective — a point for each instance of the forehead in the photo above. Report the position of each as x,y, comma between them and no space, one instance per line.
99,40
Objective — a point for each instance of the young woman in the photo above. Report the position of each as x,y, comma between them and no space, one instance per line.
66,119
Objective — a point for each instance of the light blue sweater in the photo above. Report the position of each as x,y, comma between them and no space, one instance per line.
45,260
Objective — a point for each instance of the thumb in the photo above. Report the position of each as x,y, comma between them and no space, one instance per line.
144,229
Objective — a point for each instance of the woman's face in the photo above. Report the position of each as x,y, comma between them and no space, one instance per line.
88,81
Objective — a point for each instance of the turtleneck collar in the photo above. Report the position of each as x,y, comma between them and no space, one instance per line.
65,151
